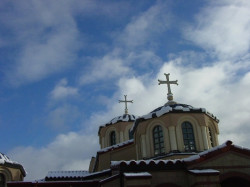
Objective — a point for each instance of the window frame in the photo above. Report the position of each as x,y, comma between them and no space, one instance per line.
158,140
112,138
188,137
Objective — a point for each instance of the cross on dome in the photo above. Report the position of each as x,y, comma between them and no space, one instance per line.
168,82
126,101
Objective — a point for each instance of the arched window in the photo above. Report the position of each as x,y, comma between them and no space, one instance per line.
112,138
158,140
188,137
2,180
210,137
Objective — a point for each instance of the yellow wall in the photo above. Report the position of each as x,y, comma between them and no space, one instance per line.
11,174
124,153
173,138
121,130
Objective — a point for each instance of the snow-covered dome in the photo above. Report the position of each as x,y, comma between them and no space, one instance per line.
5,159
123,118
171,107
175,108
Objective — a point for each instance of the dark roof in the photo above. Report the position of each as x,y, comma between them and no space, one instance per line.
91,183
147,165
171,108
66,175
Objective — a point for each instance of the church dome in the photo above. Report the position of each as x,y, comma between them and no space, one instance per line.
175,108
4,159
126,117
171,107
122,118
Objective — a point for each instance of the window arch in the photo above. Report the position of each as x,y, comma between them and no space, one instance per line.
112,138
2,180
188,136
158,140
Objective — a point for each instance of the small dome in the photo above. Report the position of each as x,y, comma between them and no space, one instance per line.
4,159
123,118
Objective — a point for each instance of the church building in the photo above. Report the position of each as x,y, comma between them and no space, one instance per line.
10,170
172,131
175,145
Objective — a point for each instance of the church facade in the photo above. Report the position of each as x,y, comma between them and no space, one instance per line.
175,145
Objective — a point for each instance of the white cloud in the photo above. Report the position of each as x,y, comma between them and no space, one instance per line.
62,117
144,61
108,67
146,26
64,153
61,90
121,61
45,36
40,59
222,28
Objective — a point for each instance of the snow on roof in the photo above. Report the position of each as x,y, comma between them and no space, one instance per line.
60,174
80,175
123,118
167,108
99,172
195,157
204,171
139,174
5,159
228,145
115,146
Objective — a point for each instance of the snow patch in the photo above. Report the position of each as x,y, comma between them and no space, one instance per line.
140,174
198,171
115,146
59,174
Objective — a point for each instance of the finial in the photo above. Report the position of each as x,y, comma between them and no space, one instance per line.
126,101
168,82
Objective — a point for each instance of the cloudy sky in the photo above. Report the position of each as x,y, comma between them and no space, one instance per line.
65,64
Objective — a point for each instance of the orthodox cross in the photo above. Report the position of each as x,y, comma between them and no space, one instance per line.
126,101
168,82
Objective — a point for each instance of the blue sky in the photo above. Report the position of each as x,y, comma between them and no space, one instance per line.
65,64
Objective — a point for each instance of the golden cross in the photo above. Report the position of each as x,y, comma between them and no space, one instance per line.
168,82
125,101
